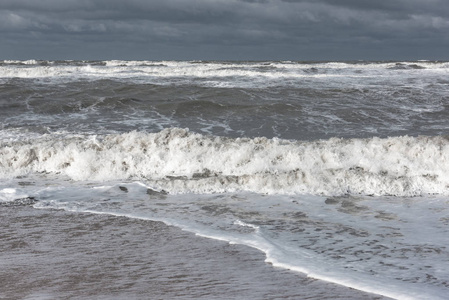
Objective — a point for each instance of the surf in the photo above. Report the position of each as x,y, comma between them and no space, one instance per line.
180,161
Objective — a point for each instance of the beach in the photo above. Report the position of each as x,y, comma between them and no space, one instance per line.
53,254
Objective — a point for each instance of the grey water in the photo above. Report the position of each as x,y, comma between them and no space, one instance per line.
49,254
290,100
217,180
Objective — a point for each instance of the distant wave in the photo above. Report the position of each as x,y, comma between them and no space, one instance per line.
271,73
180,161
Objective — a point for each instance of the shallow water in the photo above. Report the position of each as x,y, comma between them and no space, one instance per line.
53,254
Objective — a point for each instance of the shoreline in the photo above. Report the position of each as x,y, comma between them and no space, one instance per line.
58,254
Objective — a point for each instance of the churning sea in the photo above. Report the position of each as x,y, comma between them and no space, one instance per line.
220,180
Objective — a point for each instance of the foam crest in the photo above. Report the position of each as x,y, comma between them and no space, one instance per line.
180,161
268,73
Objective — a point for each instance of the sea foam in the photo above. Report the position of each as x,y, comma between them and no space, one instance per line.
180,161
216,74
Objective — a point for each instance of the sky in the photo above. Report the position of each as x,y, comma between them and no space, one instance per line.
224,29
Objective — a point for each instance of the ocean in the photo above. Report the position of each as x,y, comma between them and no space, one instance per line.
219,180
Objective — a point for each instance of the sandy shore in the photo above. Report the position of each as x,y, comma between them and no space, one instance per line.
48,254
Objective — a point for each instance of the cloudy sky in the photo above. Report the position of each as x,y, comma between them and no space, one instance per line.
225,29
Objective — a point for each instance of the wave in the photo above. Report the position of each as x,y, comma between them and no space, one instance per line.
179,161
125,70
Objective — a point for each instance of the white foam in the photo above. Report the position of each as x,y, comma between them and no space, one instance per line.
11,194
225,74
180,161
23,62
241,223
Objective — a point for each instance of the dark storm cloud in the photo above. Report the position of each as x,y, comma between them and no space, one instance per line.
224,29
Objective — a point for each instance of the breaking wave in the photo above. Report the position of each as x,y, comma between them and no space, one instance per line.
179,161
208,73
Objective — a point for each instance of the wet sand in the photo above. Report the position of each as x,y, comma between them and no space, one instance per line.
50,254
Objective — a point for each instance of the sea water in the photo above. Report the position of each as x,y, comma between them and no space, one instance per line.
335,170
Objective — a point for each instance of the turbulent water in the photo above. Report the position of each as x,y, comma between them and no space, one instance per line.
336,170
